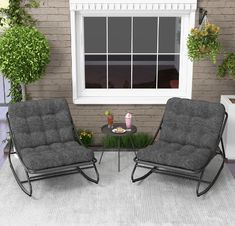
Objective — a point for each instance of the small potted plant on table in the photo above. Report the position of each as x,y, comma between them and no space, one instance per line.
109,118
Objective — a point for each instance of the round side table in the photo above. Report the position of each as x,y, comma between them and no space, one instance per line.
108,131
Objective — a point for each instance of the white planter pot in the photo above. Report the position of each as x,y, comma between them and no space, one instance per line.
229,132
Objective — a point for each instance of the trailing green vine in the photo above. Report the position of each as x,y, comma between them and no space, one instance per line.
16,14
227,67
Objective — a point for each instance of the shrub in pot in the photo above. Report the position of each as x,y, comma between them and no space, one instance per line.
12,13
204,43
24,55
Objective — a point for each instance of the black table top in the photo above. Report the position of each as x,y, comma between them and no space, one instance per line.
108,131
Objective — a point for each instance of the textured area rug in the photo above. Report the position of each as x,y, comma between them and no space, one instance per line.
116,201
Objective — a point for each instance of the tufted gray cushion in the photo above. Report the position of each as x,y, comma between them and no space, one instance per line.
189,134
177,155
56,154
192,122
40,122
43,133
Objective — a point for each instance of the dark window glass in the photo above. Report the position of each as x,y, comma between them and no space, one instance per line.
169,34
95,34
95,71
144,71
119,71
145,34
168,71
144,41
119,34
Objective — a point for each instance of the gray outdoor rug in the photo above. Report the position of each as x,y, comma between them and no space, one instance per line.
116,201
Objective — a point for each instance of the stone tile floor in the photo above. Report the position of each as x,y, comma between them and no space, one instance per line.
230,164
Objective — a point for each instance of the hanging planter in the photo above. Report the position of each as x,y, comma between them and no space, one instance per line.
203,43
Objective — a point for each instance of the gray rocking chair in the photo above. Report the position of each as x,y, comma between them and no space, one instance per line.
43,137
188,139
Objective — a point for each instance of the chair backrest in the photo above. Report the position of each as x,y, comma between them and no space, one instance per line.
192,122
40,122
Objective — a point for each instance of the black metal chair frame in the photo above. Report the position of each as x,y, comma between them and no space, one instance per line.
181,172
50,172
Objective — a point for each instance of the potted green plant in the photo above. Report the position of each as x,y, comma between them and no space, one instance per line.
85,137
203,42
24,55
12,13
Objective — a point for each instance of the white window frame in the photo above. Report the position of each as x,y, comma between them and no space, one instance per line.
157,8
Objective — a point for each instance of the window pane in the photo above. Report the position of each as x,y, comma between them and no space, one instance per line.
169,34
168,71
144,71
95,71
119,72
95,34
119,34
145,34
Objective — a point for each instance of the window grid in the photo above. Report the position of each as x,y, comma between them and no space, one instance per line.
131,53
107,54
157,52
132,41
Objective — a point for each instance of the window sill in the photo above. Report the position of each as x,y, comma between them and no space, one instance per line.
124,100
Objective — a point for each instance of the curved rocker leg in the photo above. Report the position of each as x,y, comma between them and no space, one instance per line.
139,178
29,193
211,184
96,181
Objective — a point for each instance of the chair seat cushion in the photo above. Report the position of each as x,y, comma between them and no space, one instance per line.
172,154
55,155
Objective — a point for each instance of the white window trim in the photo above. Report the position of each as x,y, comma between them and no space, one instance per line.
154,8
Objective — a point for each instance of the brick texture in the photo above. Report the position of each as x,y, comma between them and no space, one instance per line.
54,21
